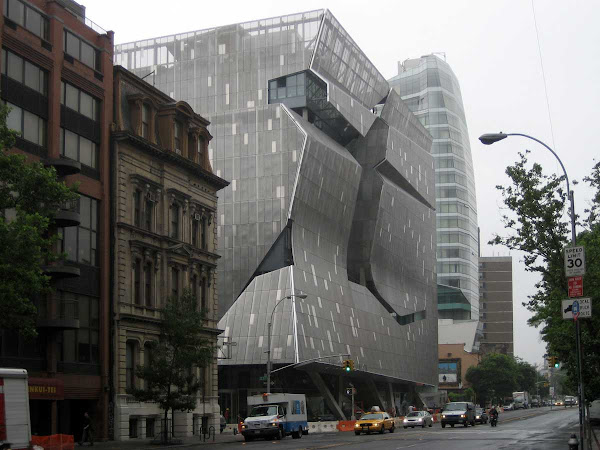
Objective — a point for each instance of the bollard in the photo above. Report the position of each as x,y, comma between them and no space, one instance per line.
573,443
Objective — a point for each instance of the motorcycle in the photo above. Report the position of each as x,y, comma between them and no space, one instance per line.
494,421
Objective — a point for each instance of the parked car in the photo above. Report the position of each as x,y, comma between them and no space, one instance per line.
508,407
418,419
481,416
371,422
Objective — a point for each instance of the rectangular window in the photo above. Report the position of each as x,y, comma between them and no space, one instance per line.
178,138
81,345
137,204
31,127
203,240
130,366
80,243
79,101
81,50
195,227
27,17
145,121
148,214
148,284
78,148
137,288
175,282
175,221
150,427
203,294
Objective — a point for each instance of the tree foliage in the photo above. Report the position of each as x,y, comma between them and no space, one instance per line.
30,196
494,378
538,224
171,378
526,376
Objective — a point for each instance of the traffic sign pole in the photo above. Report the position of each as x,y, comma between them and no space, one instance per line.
578,334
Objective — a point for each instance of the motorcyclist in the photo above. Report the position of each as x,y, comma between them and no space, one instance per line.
493,413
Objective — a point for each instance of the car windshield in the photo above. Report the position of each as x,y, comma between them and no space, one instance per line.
455,407
414,414
479,410
266,410
372,417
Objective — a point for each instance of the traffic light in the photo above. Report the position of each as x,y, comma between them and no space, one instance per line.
348,365
556,362
553,361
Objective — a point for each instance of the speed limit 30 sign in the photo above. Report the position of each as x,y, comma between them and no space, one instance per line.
574,261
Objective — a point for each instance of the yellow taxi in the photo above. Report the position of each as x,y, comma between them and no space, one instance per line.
374,422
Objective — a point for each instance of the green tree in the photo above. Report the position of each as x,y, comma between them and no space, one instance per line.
526,376
494,378
171,378
30,196
537,224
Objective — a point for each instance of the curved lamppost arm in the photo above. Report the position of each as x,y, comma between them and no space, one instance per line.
269,336
489,139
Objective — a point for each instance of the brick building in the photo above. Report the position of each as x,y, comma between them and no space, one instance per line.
496,299
57,79
165,203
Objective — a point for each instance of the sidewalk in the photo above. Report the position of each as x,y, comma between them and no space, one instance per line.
146,444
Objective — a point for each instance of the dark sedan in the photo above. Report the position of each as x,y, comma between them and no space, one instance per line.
481,416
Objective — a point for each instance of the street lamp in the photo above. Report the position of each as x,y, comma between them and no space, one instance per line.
269,337
491,138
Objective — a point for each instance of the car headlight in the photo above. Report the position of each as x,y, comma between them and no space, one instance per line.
274,424
463,416
419,420
244,426
443,416
405,420
477,417
357,426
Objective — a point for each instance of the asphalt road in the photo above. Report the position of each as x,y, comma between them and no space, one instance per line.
531,429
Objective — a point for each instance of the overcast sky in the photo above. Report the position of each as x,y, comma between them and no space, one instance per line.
493,50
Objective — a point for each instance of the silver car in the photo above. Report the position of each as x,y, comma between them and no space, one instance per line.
418,419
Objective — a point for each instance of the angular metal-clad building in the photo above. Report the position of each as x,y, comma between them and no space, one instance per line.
332,195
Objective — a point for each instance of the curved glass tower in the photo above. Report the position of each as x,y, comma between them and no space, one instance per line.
431,91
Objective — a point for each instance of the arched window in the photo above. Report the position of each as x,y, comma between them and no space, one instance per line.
130,360
175,221
137,280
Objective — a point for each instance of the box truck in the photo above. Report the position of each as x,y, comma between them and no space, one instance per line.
275,415
15,427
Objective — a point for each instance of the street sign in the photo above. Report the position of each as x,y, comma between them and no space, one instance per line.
576,308
574,261
576,286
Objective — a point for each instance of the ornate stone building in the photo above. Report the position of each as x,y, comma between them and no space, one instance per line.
164,241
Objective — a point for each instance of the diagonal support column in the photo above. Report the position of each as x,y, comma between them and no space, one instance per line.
391,394
375,391
327,395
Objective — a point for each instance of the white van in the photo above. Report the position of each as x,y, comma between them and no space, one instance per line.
595,411
275,415
15,427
